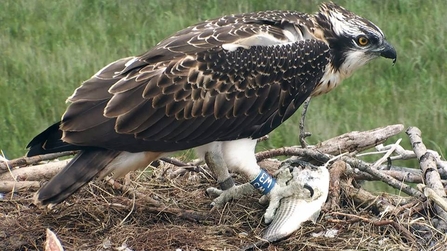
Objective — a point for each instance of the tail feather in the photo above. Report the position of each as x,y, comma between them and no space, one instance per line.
49,141
79,171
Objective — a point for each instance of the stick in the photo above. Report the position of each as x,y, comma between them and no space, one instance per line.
363,197
292,151
358,141
365,167
35,173
25,161
8,186
337,170
387,154
431,194
398,175
430,172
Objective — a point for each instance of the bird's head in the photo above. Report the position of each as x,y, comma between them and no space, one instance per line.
354,40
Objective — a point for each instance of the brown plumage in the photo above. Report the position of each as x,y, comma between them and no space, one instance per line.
238,76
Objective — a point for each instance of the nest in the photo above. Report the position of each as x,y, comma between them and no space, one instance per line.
166,208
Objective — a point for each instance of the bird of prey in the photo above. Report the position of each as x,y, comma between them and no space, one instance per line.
216,86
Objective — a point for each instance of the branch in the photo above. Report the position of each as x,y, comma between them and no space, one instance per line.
36,172
398,175
26,161
430,172
365,167
8,186
358,141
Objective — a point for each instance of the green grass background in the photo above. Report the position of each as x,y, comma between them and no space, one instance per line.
48,47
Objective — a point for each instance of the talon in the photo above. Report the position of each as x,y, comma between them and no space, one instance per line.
224,196
213,192
311,190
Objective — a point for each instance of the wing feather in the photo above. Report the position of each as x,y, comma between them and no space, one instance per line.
189,90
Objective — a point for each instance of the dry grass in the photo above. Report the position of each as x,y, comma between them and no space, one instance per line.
100,217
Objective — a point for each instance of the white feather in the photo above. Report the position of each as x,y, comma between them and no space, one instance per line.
239,155
127,161
261,39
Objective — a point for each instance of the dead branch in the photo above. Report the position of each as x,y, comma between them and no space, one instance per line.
26,161
348,142
365,198
429,170
365,167
336,171
292,151
35,173
398,175
358,141
8,186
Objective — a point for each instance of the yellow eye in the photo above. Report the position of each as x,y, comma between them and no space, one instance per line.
362,41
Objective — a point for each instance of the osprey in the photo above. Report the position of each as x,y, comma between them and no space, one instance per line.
216,86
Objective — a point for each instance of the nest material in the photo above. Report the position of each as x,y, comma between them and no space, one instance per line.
166,208
100,217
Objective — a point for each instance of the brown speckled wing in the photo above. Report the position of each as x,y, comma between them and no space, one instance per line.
189,91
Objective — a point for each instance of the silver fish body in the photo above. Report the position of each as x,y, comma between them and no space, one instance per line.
312,187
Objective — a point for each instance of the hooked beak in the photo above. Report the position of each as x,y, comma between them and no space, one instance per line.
388,51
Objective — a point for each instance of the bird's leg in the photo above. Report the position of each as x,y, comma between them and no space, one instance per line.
213,156
228,190
239,156
217,165
304,134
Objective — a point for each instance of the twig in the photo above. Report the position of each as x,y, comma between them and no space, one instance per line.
431,194
407,234
383,177
387,154
134,192
363,197
402,154
398,175
407,206
131,210
190,215
174,162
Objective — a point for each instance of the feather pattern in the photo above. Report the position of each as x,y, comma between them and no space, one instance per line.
238,76
191,80
234,77
263,83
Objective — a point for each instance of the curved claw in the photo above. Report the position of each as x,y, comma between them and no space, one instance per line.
224,196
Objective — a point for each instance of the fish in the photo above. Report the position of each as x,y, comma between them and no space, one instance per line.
311,189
